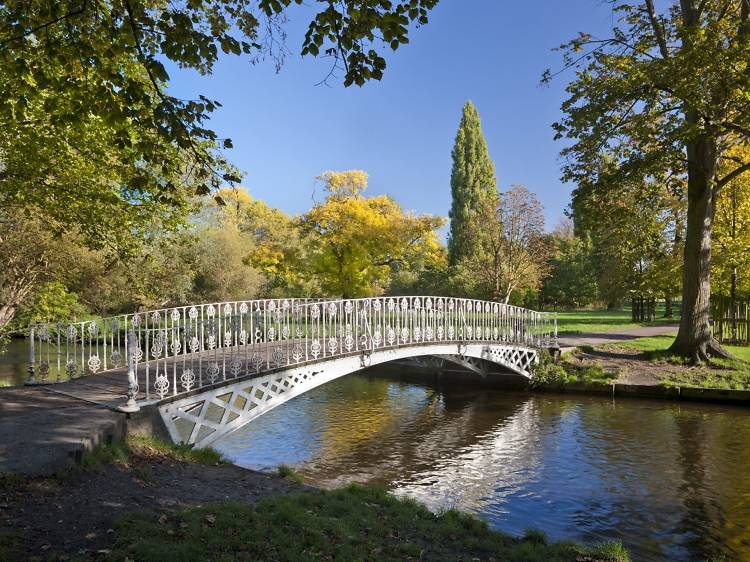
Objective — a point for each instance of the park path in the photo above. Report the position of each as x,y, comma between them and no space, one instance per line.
572,340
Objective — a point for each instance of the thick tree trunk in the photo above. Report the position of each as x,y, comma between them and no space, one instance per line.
694,338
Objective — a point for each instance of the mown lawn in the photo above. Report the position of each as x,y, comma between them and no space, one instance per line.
352,523
594,321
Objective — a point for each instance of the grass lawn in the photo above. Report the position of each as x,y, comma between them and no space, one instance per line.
722,373
352,523
582,321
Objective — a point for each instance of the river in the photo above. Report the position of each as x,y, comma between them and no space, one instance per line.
668,479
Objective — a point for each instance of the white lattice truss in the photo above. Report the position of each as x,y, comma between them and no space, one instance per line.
206,415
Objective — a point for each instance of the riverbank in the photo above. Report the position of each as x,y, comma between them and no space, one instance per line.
144,500
632,367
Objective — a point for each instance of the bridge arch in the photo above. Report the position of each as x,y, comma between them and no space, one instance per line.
204,417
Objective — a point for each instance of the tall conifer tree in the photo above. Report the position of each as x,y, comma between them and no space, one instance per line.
472,181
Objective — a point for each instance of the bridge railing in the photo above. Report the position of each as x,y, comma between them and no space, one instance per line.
178,349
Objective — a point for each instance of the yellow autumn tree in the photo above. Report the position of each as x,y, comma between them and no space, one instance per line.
356,241
273,243
731,242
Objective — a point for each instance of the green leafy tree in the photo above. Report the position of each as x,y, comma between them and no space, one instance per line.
84,181
572,281
75,58
636,231
472,182
31,259
667,93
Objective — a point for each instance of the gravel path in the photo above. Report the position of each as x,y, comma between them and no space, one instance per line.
572,340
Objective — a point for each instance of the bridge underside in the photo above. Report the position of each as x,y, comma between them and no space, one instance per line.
211,413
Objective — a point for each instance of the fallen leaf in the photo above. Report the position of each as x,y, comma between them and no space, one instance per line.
211,519
162,519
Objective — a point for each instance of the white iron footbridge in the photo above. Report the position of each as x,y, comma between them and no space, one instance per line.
212,368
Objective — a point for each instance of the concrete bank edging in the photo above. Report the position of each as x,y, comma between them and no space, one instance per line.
687,393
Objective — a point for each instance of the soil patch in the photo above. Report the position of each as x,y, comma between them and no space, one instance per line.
637,367
71,517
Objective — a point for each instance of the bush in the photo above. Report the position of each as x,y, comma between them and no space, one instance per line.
549,374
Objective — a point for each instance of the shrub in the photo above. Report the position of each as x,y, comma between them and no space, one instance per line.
549,374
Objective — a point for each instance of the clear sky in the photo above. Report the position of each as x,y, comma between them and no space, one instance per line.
287,130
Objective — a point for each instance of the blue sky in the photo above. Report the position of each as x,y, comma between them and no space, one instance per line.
287,130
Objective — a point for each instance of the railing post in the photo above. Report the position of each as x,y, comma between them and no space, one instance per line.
555,323
131,406
31,370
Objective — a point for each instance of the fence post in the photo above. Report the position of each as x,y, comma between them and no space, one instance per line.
131,406
32,358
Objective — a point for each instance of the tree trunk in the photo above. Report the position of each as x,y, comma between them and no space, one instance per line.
694,338
7,312
508,293
668,307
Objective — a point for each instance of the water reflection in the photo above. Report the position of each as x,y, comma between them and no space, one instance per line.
14,362
670,480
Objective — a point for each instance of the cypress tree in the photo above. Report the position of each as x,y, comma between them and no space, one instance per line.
472,181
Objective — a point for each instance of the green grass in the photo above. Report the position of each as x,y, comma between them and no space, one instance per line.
352,523
555,375
731,374
289,473
120,452
595,321
150,446
11,544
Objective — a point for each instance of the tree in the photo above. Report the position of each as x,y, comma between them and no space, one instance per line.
472,182
636,230
667,93
78,58
85,182
355,241
731,265
31,257
572,280
277,249
510,251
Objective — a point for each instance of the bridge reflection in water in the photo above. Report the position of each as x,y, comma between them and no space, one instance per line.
670,480
212,368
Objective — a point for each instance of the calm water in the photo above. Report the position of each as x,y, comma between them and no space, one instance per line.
14,362
669,480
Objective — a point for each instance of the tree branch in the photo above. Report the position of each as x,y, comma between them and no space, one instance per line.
45,25
739,170
658,30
